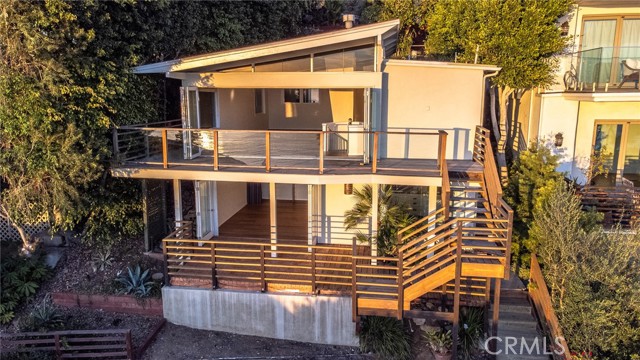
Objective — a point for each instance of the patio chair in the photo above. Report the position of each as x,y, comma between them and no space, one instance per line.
630,71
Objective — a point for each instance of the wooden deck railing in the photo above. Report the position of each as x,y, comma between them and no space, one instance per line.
77,344
270,149
541,299
619,205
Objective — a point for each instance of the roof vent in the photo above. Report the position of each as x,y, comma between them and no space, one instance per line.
349,20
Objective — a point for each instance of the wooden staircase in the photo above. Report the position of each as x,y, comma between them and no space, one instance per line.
469,237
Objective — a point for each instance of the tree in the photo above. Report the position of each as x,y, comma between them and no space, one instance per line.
592,275
520,36
391,218
44,157
65,79
412,15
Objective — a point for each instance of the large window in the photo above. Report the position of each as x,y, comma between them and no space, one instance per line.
302,96
607,42
355,59
617,143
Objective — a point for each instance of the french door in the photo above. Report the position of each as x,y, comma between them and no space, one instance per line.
206,217
190,120
618,144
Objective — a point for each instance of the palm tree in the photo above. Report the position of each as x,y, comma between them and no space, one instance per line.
391,217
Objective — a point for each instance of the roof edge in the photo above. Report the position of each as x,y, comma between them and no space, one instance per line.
441,64
167,66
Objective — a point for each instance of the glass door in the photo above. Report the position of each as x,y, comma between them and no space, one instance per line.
204,209
617,145
190,120
631,167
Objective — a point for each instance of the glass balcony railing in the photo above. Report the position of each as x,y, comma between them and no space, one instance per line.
602,69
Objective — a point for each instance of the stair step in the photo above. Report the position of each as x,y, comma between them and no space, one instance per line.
457,198
479,211
509,326
509,308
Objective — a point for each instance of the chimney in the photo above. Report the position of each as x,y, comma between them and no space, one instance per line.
349,20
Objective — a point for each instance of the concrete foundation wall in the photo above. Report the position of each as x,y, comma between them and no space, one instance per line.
315,319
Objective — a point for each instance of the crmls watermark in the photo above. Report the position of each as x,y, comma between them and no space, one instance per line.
521,346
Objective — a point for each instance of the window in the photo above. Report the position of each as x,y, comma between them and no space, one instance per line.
607,42
354,59
259,101
302,96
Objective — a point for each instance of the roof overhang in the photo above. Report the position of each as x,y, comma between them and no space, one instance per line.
631,96
608,3
386,32
438,64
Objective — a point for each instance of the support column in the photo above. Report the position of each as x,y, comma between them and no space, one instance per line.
273,216
496,311
177,200
310,215
375,197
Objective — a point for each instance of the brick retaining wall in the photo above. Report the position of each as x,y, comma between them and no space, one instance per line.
121,303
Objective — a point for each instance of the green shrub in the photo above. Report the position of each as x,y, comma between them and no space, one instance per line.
136,282
385,337
440,341
471,331
44,317
20,278
101,260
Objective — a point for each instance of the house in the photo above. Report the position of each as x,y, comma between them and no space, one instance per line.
257,175
593,112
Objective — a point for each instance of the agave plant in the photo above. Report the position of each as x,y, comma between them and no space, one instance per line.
101,260
136,282
44,316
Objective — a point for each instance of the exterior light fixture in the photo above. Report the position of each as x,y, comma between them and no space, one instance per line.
348,189
559,140
564,28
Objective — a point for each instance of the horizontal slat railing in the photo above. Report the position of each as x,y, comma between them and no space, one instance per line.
619,204
541,299
78,344
269,150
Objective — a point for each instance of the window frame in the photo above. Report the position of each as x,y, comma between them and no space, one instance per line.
301,98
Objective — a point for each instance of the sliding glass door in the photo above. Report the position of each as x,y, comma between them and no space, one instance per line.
617,143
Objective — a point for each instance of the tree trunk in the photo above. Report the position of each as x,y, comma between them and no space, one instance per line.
27,244
494,117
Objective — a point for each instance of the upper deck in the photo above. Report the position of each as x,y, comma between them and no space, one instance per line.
303,156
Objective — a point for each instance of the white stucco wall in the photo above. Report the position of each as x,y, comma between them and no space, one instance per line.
232,197
576,121
430,98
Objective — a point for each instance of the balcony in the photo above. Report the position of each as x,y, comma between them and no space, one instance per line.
166,146
604,69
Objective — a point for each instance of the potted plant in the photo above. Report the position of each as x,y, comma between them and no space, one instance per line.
440,343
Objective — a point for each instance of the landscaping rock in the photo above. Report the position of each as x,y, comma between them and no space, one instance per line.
49,240
53,257
157,276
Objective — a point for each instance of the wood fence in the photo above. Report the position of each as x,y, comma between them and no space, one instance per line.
539,295
72,344
619,205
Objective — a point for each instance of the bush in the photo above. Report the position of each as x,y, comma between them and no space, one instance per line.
44,317
101,260
471,331
385,337
592,275
20,278
136,282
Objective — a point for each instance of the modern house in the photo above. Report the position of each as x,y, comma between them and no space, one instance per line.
246,194
594,110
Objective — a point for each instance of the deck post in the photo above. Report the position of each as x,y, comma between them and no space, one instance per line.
129,344
216,156
267,146
442,148
165,155
354,280
273,218
400,284
374,164
487,304
165,257
56,342
496,307
321,154
374,221
456,294
214,279
263,282
313,270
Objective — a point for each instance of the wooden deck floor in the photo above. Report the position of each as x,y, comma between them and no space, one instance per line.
252,221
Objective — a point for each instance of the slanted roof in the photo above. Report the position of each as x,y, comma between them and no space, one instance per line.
358,35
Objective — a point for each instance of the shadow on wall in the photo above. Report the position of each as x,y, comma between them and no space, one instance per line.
412,145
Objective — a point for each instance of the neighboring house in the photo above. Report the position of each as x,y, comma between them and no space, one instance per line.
260,170
594,110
